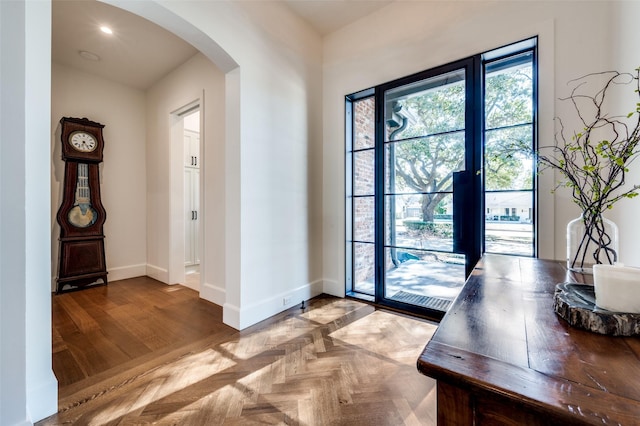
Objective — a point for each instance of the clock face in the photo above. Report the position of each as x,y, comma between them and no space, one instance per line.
83,141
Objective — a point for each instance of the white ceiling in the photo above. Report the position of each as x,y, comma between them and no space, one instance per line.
327,16
139,53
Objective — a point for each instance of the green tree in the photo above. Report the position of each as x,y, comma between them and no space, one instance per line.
508,120
429,126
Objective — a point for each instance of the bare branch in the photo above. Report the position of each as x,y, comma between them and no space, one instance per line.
596,169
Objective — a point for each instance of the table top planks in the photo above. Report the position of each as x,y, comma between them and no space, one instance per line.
502,335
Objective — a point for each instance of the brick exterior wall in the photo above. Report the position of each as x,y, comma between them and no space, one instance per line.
363,184
364,123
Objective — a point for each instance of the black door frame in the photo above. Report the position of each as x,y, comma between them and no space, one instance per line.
468,223
470,230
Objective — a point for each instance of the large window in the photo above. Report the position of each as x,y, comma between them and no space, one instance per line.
440,168
508,154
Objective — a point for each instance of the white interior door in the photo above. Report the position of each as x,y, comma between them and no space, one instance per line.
192,216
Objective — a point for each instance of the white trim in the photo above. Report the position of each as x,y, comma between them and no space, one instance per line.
253,314
44,391
157,273
187,109
231,315
125,272
213,293
333,288
119,273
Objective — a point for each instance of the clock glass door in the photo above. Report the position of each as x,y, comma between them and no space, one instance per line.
82,214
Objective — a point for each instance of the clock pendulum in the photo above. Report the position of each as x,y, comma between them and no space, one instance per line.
81,215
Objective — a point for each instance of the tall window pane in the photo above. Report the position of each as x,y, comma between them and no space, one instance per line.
361,196
508,153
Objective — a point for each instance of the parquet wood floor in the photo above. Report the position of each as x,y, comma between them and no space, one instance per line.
140,352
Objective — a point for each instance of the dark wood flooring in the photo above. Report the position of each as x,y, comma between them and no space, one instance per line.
141,352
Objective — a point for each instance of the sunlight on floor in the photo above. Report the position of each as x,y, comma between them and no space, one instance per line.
165,381
394,344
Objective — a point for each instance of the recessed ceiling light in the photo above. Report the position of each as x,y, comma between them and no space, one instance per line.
106,30
89,55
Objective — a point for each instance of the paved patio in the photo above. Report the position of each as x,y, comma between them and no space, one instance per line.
423,278
439,274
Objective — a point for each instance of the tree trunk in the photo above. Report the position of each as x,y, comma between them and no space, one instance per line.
428,206
429,203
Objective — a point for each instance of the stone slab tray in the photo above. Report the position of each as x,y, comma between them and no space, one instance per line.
576,304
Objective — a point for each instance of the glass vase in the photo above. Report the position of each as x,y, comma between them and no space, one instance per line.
591,240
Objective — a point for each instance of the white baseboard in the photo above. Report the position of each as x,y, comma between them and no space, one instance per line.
125,272
245,316
333,288
157,273
115,274
43,399
231,315
213,293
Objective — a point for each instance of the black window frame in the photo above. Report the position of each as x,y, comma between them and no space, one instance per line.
475,158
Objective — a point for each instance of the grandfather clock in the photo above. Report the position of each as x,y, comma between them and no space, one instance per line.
81,215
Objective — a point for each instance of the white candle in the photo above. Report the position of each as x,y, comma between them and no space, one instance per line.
617,288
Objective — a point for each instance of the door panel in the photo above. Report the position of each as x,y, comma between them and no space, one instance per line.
426,145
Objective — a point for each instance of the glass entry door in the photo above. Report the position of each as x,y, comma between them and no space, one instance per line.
440,168
428,156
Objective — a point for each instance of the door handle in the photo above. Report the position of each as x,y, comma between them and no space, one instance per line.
461,192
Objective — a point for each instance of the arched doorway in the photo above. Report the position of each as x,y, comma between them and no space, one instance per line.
215,54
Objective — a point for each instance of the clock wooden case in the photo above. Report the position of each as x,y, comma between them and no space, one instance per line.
81,215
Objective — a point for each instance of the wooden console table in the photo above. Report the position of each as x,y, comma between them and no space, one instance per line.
501,356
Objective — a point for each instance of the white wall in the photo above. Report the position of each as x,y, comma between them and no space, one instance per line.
625,56
421,35
28,388
273,158
196,80
122,173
